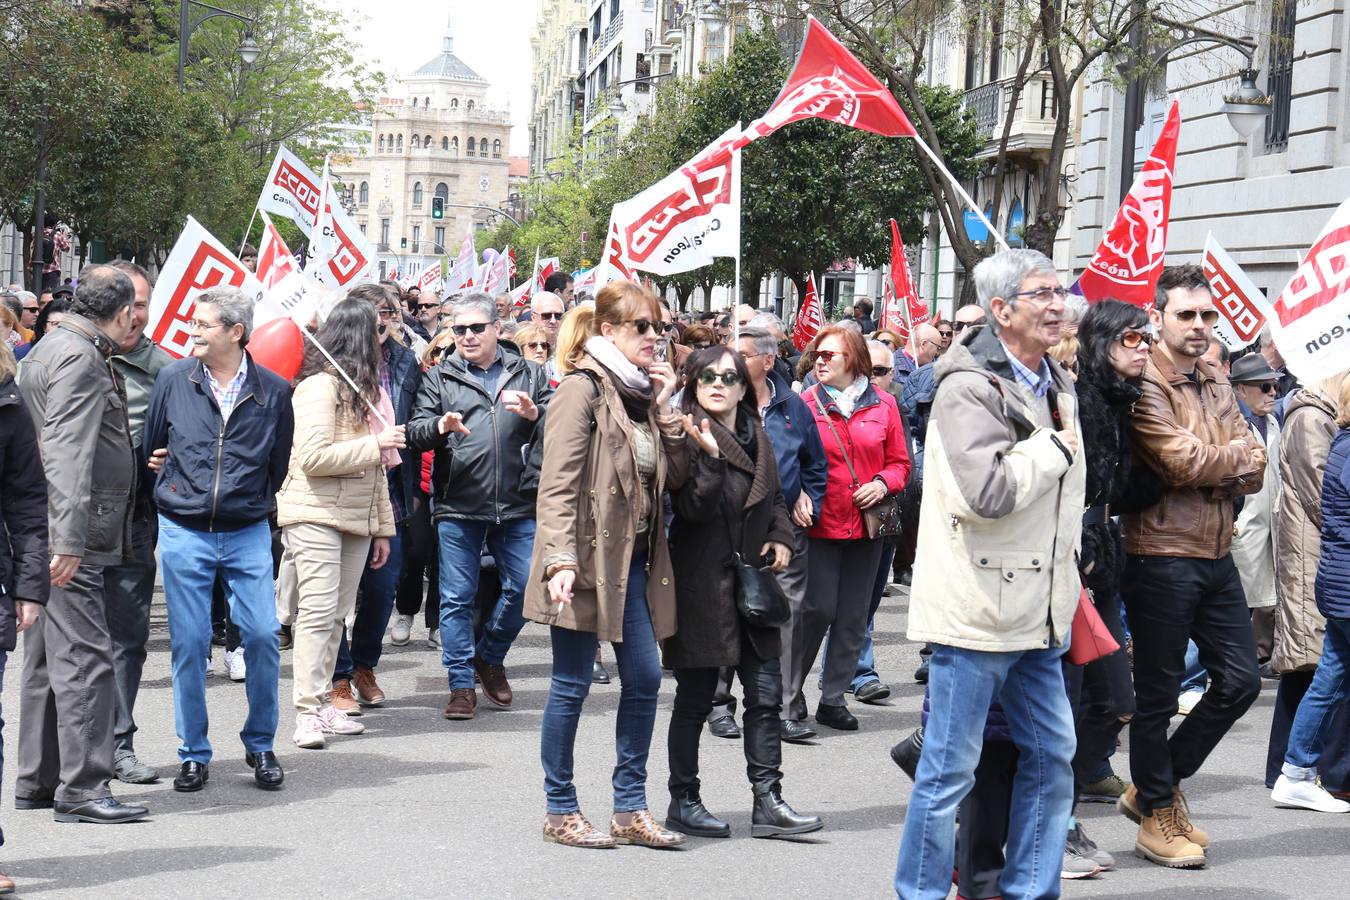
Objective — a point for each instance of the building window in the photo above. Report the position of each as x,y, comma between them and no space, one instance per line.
1280,81
714,43
426,142
445,143
417,238
426,102
470,106
454,103
365,192
482,147
414,103
416,142
613,10
417,193
384,232
443,191
496,149
400,143
381,143
472,145
440,239
454,146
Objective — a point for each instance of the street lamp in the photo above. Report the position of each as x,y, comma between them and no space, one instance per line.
1248,108
248,48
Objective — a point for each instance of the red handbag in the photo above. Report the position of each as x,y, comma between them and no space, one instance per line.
1089,638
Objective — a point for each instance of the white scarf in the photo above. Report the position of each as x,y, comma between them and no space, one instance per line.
847,399
609,356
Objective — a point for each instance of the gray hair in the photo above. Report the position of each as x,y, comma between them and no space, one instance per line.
851,324
476,300
509,327
878,345
1002,274
1075,308
132,270
765,342
234,306
768,322
545,295
102,293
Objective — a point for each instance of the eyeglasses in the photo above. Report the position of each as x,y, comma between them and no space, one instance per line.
389,314
708,377
827,356
749,356
880,371
198,325
552,317
538,345
1042,295
476,328
642,325
1131,340
1209,316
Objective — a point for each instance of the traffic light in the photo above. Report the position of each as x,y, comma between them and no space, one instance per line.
438,207
403,243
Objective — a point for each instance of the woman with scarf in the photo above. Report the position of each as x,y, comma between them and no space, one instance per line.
730,509
865,445
601,569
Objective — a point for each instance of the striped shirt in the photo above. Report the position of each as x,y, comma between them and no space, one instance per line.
228,396
1038,382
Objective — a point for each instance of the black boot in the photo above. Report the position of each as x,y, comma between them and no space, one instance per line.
772,817
906,753
688,815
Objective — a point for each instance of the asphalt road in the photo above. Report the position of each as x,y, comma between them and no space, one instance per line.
422,807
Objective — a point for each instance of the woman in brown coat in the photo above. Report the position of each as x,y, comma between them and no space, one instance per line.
1309,426
729,507
601,570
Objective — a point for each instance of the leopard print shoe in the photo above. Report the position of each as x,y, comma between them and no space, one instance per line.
644,831
575,831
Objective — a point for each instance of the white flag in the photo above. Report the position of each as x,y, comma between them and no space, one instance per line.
686,219
1241,306
340,255
1308,319
292,290
292,190
430,278
465,270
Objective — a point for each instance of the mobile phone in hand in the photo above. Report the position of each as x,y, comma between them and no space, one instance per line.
661,353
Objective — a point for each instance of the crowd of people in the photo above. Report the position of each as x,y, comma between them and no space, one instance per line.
700,496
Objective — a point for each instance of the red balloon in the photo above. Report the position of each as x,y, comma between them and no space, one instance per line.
279,346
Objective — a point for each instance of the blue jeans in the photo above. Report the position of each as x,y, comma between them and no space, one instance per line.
867,665
639,666
243,558
1326,693
1197,679
461,552
962,684
379,589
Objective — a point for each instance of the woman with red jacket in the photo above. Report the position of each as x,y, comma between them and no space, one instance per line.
865,445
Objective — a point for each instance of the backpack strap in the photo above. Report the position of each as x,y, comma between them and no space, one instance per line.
595,383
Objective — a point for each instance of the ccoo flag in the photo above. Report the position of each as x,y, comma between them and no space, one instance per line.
1242,308
1309,317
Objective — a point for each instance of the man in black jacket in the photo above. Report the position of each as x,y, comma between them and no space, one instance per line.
481,410
219,432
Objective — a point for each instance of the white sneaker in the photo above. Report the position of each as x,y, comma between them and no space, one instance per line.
402,632
209,668
1290,794
434,638
234,664
1186,702
309,732
334,721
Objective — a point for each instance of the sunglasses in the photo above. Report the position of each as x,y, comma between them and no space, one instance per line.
476,328
667,327
552,317
708,377
642,325
958,327
1131,340
827,356
1270,387
538,345
30,309
880,371
1210,316
944,334
427,306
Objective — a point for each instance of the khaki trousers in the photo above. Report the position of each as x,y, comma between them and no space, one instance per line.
328,567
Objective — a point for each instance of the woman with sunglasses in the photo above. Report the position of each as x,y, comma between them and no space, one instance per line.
601,569
1113,350
729,510
534,343
865,445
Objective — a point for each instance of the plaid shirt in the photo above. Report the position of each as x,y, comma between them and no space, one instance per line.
1037,382
228,396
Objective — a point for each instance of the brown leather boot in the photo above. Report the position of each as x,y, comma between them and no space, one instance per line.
463,702
366,687
1162,839
495,686
343,699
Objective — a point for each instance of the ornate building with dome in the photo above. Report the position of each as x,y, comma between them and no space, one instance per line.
440,139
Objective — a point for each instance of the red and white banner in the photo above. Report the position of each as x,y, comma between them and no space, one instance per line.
511,268
289,288
809,317
686,219
520,295
1310,319
901,307
197,262
612,266
465,270
430,278
292,190
1129,260
340,255
543,268
586,280
495,281
1242,308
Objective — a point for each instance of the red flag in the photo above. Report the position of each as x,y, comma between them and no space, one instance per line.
511,267
809,317
1129,260
905,309
828,82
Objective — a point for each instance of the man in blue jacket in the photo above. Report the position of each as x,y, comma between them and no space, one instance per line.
802,470
218,432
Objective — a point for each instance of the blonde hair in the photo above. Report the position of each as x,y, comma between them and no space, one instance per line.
7,316
443,340
527,332
615,303
1065,352
1337,388
9,366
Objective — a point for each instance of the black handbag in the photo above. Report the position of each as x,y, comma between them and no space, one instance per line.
759,598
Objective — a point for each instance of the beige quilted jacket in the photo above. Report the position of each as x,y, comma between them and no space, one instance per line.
336,477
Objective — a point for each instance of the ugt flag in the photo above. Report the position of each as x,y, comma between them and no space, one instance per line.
1309,318
809,317
1129,260
292,190
686,219
1242,308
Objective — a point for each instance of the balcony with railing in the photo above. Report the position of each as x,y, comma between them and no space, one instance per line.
1033,113
600,47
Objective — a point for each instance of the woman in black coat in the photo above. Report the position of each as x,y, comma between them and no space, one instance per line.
730,505
24,580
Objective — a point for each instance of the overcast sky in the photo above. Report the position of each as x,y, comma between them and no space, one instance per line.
492,38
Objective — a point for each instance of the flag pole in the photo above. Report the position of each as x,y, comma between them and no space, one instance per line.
345,377
970,202
251,220
735,319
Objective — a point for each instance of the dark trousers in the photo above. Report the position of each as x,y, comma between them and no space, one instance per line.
982,826
1333,767
68,703
1171,600
1263,631
374,604
694,689
421,557
129,589
1102,694
220,615
838,594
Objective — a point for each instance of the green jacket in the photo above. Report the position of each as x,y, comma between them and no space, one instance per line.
138,370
